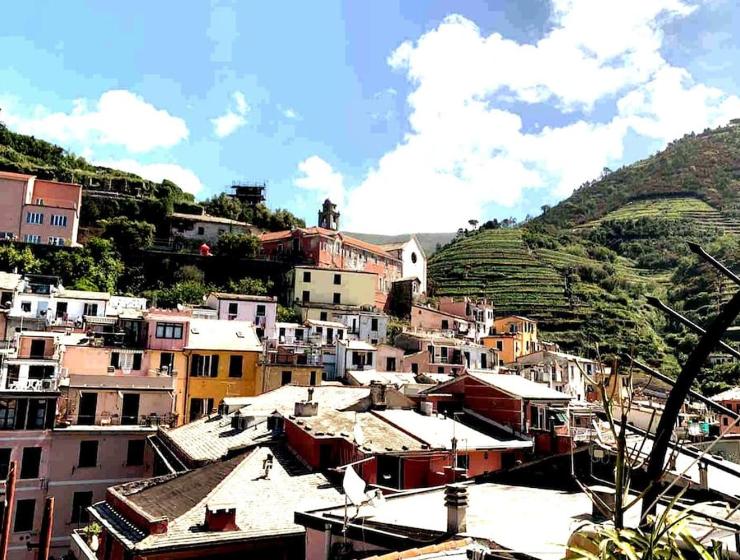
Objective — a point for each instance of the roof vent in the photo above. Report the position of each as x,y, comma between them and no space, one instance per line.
239,422
306,408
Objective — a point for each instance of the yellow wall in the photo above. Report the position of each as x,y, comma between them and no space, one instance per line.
509,345
222,385
524,340
271,376
180,371
356,288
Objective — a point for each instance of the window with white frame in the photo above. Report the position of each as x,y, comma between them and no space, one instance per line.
32,238
58,220
59,241
34,218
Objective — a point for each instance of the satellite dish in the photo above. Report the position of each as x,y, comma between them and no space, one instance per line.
180,307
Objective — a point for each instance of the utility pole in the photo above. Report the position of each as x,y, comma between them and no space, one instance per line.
8,511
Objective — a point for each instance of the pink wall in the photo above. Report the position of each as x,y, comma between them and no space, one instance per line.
12,192
431,319
166,344
62,195
45,230
24,346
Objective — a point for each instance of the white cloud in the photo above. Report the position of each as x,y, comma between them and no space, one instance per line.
319,177
290,113
186,179
234,117
467,148
118,117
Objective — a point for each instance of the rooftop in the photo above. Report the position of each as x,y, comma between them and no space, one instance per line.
517,386
358,345
243,297
214,334
265,505
9,281
366,377
82,294
728,395
331,324
346,239
207,218
438,431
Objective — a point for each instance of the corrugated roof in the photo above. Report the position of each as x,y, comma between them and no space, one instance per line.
517,385
243,297
215,334
438,431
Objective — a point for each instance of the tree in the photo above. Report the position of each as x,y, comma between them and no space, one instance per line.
12,258
237,245
96,267
473,223
545,208
224,206
128,235
186,292
251,286
288,314
189,272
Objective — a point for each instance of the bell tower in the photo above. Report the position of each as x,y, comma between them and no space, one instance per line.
328,216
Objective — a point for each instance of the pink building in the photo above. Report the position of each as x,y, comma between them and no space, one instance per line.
729,399
261,311
428,319
38,211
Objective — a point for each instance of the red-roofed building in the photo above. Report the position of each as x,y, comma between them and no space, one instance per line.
326,248
39,211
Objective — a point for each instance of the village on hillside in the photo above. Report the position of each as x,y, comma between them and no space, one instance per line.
379,421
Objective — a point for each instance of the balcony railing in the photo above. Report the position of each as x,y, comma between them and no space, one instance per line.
113,419
30,384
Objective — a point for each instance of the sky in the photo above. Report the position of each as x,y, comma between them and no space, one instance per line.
411,116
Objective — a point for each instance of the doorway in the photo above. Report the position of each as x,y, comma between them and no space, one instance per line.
88,406
130,409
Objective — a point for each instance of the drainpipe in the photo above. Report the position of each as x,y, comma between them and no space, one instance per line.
187,384
47,526
8,513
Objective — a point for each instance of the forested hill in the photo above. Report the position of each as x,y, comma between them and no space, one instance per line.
583,267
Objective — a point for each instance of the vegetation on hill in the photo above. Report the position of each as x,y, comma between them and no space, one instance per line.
584,266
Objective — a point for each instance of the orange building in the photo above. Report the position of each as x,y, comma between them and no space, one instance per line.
729,399
513,337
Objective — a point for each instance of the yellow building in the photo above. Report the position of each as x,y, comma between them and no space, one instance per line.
222,361
308,285
513,337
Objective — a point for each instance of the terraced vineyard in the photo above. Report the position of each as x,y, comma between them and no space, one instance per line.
679,208
499,265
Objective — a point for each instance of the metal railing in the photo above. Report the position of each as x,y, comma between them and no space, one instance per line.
114,419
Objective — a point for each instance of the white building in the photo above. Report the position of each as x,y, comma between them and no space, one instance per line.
558,370
261,311
118,304
413,259
204,227
355,355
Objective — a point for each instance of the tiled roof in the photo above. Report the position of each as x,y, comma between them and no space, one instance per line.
348,240
210,439
265,505
378,435
213,334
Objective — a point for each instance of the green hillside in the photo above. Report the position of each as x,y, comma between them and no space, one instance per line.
582,269
429,242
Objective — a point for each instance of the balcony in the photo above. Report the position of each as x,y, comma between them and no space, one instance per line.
113,419
293,358
40,385
79,546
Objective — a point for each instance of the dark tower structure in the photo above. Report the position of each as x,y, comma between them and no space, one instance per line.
328,216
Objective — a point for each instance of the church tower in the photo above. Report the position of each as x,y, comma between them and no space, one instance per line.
328,216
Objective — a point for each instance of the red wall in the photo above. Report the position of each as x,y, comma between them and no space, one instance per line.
493,404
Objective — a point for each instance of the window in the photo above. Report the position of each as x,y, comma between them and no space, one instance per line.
499,345
414,368
34,218
88,454
39,201
233,310
204,366
80,502
24,512
483,361
299,334
373,324
135,453
338,279
167,361
445,324
337,298
235,366
286,377
261,310
313,378
58,220
126,360
26,306
413,258
169,330
306,275
201,230
7,413
57,241
90,309
4,462
306,296
32,238
440,369
199,407
323,316
390,364
31,462
462,462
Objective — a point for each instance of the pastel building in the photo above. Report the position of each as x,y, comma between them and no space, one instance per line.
330,249
315,288
34,210
261,311
413,260
513,337
729,399
479,314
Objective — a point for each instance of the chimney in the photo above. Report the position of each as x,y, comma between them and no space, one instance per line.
456,501
703,475
306,408
221,517
377,395
310,394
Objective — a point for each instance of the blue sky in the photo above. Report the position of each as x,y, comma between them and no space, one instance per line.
414,116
